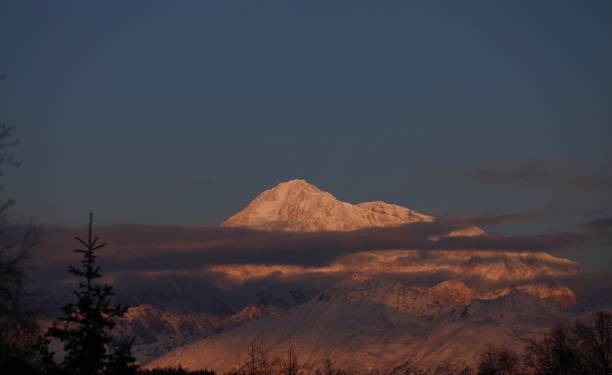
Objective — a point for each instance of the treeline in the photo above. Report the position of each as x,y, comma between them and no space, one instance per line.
584,348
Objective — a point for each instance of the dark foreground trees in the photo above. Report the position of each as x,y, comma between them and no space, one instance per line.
175,371
584,348
499,361
581,349
259,363
86,327
18,328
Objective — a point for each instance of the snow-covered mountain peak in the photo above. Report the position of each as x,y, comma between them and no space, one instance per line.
299,206
289,189
299,182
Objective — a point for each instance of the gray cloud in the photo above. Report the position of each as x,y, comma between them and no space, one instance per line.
538,173
502,218
604,224
162,258
601,229
134,247
507,217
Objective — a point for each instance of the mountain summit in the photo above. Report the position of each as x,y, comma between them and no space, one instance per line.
298,206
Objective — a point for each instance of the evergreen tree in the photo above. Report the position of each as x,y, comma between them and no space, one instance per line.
121,361
86,327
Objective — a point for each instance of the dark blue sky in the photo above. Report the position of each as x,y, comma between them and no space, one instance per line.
180,112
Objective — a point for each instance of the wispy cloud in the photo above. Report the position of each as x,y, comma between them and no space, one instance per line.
541,173
601,229
509,217
600,225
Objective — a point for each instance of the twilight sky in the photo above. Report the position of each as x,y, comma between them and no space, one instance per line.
180,112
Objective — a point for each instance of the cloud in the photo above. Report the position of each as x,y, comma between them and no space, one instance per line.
134,247
539,173
141,259
501,218
599,225
601,229
153,252
507,217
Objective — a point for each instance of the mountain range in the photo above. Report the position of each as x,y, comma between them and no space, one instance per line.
365,324
366,320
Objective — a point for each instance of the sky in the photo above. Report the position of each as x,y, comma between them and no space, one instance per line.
181,112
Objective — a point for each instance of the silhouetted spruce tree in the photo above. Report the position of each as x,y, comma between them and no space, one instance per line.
86,327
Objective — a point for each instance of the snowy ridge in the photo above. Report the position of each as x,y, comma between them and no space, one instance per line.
365,323
156,331
439,299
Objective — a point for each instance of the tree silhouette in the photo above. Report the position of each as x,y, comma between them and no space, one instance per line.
581,349
595,343
18,328
291,365
85,329
499,361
